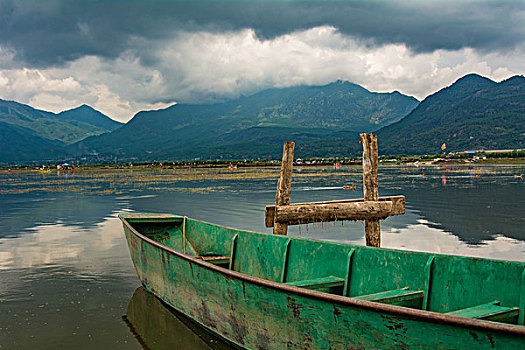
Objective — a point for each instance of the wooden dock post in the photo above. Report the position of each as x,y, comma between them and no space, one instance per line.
284,185
371,186
370,208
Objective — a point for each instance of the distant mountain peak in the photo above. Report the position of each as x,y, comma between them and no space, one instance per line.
87,114
83,107
472,76
464,86
343,82
474,112
473,79
517,79
254,125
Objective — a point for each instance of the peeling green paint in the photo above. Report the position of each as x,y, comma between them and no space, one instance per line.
249,306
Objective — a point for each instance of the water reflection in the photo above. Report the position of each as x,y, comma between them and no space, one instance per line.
64,244
476,205
19,214
65,267
157,326
423,236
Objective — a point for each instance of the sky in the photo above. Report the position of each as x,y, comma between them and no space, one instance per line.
124,56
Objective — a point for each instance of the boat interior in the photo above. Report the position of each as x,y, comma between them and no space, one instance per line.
475,288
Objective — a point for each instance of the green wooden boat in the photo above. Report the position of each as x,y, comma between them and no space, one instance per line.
263,291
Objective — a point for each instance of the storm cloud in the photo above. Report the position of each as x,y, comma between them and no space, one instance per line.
53,32
122,56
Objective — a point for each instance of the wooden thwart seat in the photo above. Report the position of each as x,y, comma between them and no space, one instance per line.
492,311
215,259
403,297
318,283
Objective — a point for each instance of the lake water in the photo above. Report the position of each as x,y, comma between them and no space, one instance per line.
67,280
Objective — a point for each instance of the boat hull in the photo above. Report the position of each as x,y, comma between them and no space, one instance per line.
159,327
259,314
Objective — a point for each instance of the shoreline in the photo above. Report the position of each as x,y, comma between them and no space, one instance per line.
235,165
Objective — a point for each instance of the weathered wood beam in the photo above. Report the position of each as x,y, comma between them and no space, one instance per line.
303,214
284,185
371,186
398,208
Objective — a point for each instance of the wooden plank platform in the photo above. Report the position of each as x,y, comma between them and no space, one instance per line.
318,283
492,311
402,297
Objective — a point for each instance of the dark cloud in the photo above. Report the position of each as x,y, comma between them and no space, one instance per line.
52,32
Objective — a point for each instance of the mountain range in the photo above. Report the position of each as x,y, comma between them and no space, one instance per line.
252,126
28,134
474,112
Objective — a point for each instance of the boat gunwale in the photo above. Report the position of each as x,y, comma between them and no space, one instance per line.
424,315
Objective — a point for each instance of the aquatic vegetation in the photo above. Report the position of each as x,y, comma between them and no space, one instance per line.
116,181
204,180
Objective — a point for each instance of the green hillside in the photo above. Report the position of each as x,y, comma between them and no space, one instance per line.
251,126
67,127
29,134
87,116
473,113
19,144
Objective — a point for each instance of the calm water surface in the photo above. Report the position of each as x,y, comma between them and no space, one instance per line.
67,280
